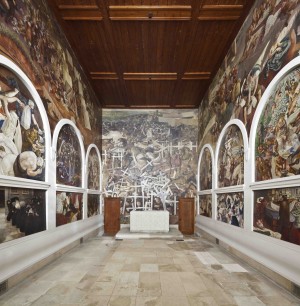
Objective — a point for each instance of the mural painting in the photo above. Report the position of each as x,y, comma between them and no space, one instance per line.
231,158
277,140
149,158
22,213
68,157
68,207
93,170
22,141
268,40
205,205
35,42
93,205
206,170
277,213
230,208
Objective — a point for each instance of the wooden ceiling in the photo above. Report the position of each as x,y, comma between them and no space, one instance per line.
150,53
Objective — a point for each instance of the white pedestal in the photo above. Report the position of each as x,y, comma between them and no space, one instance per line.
149,221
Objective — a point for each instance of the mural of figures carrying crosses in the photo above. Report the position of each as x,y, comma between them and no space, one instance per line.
22,141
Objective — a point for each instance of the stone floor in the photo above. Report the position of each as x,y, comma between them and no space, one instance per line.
104,271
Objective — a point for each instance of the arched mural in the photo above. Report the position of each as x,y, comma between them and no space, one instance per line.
22,137
68,157
93,170
277,146
206,170
231,158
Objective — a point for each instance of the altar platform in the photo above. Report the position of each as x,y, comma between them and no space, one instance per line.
173,234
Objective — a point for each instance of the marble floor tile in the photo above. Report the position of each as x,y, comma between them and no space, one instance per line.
103,271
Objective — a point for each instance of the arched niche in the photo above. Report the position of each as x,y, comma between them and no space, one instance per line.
93,181
24,127
205,168
68,154
274,137
205,181
93,168
231,154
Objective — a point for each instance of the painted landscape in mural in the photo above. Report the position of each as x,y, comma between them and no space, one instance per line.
68,157
277,213
149,158
93,170
36,44
277,140
268,40
230,208
206,170
231,158
22,141
68,207
22,213
205,204
93,205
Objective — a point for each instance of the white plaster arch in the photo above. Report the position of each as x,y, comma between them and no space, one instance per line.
209,147
243,130
99,192
7,63
261,105
57,129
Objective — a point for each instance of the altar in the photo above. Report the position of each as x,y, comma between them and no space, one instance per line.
149,221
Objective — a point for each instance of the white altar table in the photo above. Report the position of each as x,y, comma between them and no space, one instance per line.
149,221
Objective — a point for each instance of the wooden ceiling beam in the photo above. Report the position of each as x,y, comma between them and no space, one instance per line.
149,76
104,75
150,12
220,12
80,12
196,76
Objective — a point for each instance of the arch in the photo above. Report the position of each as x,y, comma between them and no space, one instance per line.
42,139
209,147
243,131
90,147
56,133
265,99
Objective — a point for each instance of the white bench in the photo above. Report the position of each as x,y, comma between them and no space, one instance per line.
149,221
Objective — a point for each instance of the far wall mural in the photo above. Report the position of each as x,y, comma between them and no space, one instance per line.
150,158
